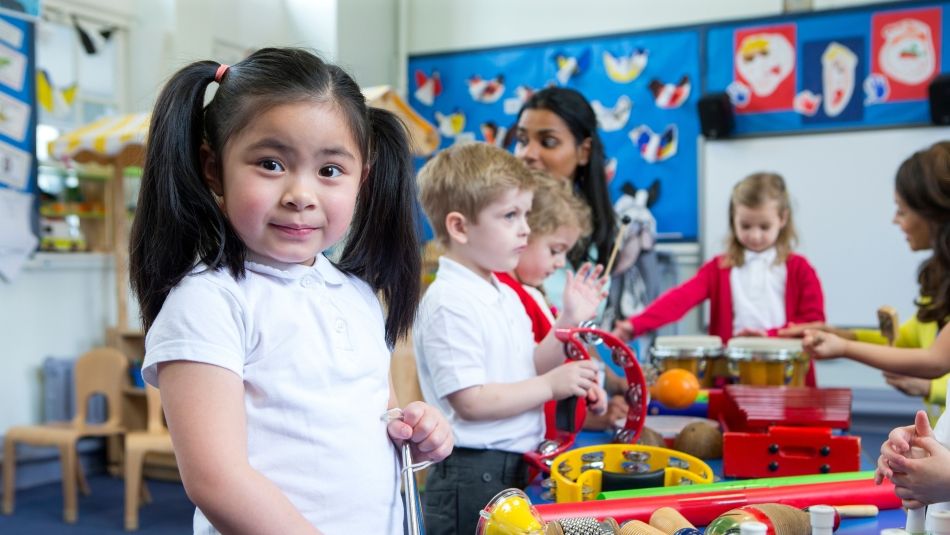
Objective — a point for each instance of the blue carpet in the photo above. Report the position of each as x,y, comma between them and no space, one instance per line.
39,510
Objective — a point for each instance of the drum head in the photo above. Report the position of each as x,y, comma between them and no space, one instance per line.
686,346
759,348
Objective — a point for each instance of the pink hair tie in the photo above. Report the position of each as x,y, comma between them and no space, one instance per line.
219,74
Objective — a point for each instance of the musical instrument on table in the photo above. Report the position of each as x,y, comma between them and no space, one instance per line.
701,355
581,474
767,361
575,342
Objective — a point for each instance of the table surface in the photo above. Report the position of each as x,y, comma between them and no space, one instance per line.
893,518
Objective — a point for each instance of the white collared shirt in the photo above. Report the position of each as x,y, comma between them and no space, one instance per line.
758,292
308,343
470,332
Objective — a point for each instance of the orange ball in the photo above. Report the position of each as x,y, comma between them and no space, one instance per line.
676,388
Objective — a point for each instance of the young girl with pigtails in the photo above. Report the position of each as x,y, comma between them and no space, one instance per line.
273,361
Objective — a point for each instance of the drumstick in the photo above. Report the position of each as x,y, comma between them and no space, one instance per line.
624,221
887,321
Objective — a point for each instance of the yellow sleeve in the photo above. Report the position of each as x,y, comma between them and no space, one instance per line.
869,336
938,390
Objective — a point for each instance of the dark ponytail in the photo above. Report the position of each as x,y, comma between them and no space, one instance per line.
383,245
177,221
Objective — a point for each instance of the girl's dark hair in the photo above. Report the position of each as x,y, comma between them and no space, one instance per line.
589,179
923,182
179,225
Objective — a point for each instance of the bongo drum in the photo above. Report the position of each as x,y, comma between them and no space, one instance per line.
700,355
767,361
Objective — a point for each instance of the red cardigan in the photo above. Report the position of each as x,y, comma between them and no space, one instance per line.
804,300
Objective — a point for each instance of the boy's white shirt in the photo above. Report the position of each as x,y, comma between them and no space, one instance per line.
470,332
308,342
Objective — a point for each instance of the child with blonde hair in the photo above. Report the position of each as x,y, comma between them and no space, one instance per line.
476,356
758,285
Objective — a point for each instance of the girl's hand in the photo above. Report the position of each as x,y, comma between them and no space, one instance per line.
597,400
758,333
424,426
912,386
572,379
797,330
823,345
623,330
583,293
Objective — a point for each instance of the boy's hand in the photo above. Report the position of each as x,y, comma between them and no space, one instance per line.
823,345
623,330
583,293
597,400
617,408
572,379
426,428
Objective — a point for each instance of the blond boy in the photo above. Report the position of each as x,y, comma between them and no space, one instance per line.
476,356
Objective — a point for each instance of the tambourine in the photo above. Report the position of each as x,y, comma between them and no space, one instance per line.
583,473
575,348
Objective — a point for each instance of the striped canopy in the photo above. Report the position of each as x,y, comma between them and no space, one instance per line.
109,137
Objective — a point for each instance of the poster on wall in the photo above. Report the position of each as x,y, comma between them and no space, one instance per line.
641,87
17,145
847,69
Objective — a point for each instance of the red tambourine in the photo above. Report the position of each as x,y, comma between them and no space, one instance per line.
623,356
575,347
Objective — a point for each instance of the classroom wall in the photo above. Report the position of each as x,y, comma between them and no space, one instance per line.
61,305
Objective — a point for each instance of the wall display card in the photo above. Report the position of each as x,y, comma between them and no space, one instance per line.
14,117
12,68
858,68
17,241
643,89
10,34
15,166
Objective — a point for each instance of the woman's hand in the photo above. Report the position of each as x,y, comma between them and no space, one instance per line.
823,345
797,330
912,386
426,428
583,293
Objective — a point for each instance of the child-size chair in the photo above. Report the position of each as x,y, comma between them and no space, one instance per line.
102,370
155,439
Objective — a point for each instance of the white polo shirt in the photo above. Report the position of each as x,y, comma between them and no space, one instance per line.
758,292
308,342
472,332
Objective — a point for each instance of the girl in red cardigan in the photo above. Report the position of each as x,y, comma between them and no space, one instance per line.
758,285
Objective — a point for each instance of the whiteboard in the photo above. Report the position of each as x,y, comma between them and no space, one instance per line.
842,189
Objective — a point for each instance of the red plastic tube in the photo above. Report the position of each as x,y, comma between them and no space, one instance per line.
700,509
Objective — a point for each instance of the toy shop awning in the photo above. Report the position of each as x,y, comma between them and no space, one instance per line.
105,140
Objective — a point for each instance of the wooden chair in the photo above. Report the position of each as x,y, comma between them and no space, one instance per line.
103,370
155,439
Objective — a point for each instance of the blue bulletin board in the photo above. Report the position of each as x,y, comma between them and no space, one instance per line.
643,86
17,110
860,68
